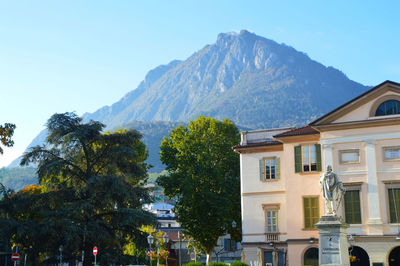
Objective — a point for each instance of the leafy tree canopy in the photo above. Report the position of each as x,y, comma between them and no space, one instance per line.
90,193
6,133
203,174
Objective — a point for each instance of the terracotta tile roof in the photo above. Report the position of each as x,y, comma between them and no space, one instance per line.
306,130
173,236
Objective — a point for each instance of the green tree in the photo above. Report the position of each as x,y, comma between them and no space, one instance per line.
91,194
6,133
203,174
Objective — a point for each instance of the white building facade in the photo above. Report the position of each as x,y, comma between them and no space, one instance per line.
280,171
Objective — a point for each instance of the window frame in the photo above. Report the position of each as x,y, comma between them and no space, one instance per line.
270,168
318,158
391,185
389,148
272,219
304,212
381,100
341,152
397,104
263,172
309,155
270,208
353,188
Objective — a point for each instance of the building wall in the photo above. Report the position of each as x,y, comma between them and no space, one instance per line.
372,175
287,192
298,185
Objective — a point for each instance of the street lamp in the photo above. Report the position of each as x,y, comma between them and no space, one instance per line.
150,240
60,248
166,239
233,224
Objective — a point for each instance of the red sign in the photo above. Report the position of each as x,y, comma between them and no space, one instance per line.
15,257
95,250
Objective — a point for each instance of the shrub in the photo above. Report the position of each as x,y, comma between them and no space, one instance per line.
192,263
238,263
217,264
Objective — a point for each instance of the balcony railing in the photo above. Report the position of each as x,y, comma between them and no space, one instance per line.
272,237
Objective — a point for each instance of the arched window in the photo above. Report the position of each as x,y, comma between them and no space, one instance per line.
359,256
390,107
394,257
311,257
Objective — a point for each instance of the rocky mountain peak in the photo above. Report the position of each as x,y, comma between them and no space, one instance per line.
253,81
241,76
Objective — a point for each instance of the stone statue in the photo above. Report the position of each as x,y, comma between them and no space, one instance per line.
332,190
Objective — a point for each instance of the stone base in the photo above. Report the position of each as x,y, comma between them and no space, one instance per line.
333,244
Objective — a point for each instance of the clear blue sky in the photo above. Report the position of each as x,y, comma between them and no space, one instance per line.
58,56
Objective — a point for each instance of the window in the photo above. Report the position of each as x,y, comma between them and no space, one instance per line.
352,209
271,221
311,257
391,153
311,212
390,107
269,168
394,204
349,156
229,244
307,158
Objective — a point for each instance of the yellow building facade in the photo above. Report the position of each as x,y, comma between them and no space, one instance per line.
280,173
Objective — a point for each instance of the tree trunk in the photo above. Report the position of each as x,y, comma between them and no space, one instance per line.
209,257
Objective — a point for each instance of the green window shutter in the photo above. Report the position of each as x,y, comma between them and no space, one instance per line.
297,159
394,205
311,212
277,168
352,209
315,211
318,153
262,169
307,212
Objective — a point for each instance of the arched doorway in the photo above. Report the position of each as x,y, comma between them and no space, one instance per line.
361,256
311,257
394,257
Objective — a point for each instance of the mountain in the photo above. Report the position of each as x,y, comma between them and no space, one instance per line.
253,81
246,78
153,133
18,177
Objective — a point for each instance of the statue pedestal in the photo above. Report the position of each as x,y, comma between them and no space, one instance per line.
333,244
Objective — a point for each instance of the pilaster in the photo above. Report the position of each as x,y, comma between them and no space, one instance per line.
328,155
374,221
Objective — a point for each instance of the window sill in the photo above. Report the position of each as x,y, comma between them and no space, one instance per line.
391,160
270,180
383,117
309,173
343,163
